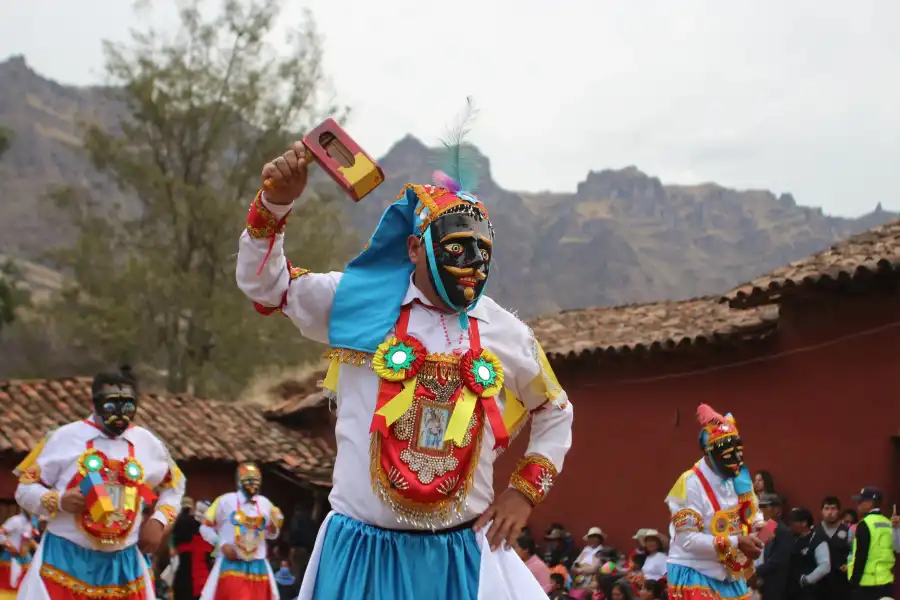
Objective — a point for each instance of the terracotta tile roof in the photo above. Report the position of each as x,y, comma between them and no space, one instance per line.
295,396
193,428
653,326
296,405
874,251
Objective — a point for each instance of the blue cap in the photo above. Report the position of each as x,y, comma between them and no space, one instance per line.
869,492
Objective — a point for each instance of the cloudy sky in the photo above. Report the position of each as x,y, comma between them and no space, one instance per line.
799,96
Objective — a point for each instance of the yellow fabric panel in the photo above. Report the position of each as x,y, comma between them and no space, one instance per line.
331,377
679,490
546,382
32,457
514,411
176,475
211,511
277,516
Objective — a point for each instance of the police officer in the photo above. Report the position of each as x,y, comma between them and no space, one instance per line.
871,565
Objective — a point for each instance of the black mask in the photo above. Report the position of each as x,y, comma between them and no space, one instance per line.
460,253
249,479
115,406
727,456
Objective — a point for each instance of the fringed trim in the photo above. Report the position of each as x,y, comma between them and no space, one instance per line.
364,359
349,357
389,487
687,520
534,476
518,428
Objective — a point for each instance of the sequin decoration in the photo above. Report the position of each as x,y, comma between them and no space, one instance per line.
420,476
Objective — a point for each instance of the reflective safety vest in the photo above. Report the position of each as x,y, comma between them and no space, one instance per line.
879,568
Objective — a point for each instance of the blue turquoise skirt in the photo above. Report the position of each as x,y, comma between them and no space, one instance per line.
108,574
362,562
687,584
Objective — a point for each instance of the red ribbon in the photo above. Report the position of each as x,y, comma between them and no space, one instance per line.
147,494
492,412
386,393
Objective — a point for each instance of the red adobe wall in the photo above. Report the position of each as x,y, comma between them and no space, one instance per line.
821,420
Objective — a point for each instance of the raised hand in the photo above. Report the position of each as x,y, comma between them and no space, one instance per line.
284,178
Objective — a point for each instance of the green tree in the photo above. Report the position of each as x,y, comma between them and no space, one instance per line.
12,295
153,283
5,139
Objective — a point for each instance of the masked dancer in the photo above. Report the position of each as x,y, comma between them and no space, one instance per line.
17,539
714,514
432,378
240,523
92,479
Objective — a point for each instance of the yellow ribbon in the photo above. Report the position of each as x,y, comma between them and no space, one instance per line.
331,377
131,497
399,404
462,414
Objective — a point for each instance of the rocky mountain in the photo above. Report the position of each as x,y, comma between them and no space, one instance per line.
622,237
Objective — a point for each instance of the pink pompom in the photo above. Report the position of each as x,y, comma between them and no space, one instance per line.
706,415
442,180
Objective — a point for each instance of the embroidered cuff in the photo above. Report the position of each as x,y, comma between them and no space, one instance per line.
534,476
728,554
165,514
30,475
687,520
50,503
261,223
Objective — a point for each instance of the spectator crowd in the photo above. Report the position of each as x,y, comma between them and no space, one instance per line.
809,557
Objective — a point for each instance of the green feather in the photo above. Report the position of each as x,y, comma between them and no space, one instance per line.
459,159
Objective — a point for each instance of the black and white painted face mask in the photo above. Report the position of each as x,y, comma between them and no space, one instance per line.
459,246
115,407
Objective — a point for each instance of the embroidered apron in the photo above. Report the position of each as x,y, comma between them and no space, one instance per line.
428,425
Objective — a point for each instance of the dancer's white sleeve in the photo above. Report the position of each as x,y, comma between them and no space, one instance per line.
38,475
274,285
687,524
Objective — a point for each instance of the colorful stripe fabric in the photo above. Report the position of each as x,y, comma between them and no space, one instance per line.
243,580
687,584
118,575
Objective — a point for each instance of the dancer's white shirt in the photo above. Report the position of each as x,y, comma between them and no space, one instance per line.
58,464
308,305
17,530
220,530
696,549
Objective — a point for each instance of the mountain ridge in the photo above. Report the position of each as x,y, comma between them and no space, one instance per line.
622,236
